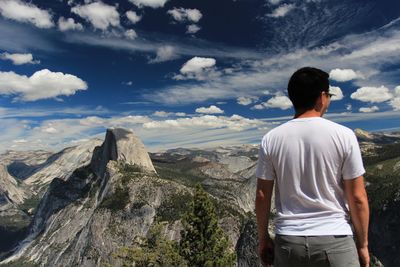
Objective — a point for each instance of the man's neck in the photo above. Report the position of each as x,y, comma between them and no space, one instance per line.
308,114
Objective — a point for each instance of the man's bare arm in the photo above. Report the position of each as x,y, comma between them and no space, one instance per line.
359,212
263,206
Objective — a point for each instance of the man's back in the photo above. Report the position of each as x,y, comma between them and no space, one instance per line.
307,158
316,168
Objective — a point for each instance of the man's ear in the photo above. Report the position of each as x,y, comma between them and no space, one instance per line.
319,104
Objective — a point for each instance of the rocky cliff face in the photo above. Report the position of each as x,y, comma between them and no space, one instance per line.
10,191
24,178
13,221
105,205
124,146
112,201
61,165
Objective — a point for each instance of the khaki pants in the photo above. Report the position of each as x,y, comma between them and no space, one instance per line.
315,251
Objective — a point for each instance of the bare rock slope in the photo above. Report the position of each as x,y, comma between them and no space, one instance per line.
101,207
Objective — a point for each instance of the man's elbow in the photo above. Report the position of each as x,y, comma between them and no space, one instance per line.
260,197
360,198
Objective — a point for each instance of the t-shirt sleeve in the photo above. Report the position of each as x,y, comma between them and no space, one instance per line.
265,169
352,166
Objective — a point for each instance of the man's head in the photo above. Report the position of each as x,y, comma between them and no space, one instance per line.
306,87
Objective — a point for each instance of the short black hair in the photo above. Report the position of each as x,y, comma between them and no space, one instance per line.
305,86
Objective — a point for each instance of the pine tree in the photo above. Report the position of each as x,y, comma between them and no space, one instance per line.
203,242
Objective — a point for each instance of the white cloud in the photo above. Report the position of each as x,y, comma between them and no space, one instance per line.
258,107
266,92
279,101
198,68
149,3
201,131
116,121
42,84
372,94
187,47
197,64
260,71
206,130
376,47
397,91
100,15
185,15
161,114
210,110
49,129
235,122
338,94
395,103
344,75
22,113
369,109
129,83
273,72
349,107
133,16
282,10
274,2
19,59
130,34
69,24
245,101
192,29
68,131
165,53
167,114
20,141
26,12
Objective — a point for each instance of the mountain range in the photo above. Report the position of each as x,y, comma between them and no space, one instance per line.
79,206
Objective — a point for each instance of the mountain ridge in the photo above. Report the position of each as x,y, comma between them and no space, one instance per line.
116,197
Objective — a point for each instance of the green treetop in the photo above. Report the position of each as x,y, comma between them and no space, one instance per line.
203,242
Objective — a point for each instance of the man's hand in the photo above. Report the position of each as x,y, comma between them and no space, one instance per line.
266,251
363,255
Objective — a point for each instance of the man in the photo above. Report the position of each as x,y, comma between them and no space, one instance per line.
317,170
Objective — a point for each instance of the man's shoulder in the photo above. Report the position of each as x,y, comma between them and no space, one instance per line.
322,123
276,131
338,127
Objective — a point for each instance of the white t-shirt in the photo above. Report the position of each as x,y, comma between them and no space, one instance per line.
308,158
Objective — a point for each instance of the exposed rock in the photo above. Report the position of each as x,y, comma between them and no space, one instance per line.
199,159
82,220
22,164
62,164
113,199
124,146
13,221
376,137
247,245
10,192
363,135
236,163
396,167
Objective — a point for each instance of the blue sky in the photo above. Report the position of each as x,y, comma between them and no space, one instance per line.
189,73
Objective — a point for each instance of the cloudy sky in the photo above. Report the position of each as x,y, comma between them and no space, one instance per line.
189,73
